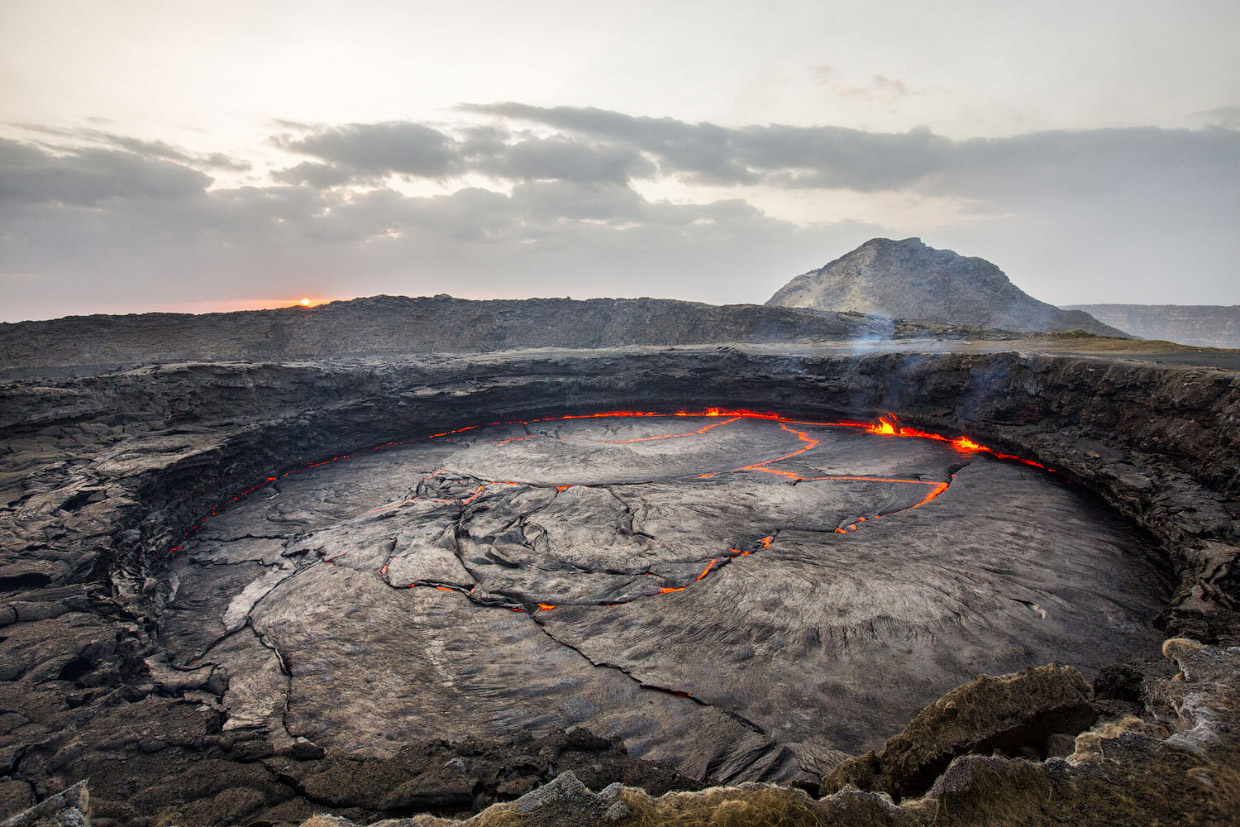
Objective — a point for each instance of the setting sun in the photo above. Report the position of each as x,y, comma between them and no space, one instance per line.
305,302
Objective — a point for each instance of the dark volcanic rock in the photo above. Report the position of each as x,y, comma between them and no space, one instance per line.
68,808
1015,715
908,280
1201,325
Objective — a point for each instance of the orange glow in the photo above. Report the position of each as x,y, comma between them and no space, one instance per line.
477,493
761,466
546,607
698,432
706,570
449,433
888,426
305,302
882,426
938,489
510,439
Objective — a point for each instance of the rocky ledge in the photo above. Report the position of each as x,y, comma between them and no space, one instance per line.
103,476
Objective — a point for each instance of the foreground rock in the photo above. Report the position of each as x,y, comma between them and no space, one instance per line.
1021,714
908,280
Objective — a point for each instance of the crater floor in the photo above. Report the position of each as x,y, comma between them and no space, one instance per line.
743,596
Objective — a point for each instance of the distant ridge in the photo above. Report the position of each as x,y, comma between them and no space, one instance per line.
396,324
908,280
1201,325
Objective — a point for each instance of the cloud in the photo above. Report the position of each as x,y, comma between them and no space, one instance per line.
319,176
879,89
1120,215
77,248
372,152
379,149
823,157
89,176
144,148
1054,164
1227,117
564,159
704,153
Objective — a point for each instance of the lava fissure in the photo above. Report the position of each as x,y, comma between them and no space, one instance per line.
196,663
253,561
625,521
698,432
248,616
740,719
274,648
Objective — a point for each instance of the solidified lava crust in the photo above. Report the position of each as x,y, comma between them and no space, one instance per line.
712,588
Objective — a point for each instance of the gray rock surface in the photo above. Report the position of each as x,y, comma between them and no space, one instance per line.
1188,324
908,280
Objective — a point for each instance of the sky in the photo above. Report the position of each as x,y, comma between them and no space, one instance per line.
169,156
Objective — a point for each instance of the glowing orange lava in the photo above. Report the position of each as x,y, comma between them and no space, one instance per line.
761,466
889,426
698,432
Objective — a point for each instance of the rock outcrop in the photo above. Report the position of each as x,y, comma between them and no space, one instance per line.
908,280
1016,715
1201,325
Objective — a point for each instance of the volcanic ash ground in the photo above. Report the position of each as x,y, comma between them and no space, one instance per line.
743,597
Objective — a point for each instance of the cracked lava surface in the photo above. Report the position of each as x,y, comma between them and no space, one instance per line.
741,595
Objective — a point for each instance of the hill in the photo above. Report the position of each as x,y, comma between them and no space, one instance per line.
909,280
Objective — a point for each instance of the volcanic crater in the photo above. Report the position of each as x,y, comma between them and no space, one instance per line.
718,589
251,592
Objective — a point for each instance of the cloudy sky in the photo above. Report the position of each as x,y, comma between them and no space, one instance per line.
161,155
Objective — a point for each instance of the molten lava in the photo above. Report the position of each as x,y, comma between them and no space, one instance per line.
698,432
889,426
